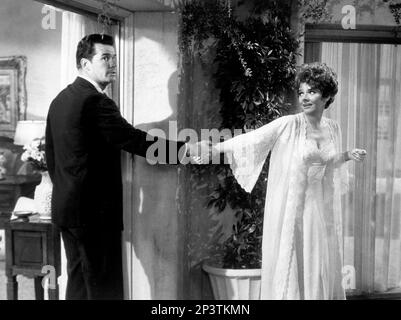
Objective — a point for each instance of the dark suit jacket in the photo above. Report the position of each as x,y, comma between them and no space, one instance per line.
85,134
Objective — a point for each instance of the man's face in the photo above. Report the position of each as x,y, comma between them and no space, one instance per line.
103,67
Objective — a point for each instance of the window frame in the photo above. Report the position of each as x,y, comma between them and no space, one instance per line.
318,33
363,34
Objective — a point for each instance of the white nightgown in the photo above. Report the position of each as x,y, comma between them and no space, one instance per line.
301,248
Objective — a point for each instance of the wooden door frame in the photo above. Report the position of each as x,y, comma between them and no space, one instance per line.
363,34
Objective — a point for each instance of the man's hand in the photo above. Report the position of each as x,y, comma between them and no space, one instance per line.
200,152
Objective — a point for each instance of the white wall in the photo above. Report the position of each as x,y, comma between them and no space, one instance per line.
22,34
154,229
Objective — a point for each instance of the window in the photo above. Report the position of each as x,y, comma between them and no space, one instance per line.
368,109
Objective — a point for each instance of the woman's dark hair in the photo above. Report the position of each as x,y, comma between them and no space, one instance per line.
86,47
319,76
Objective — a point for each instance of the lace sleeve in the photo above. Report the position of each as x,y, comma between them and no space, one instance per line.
339,160
246,153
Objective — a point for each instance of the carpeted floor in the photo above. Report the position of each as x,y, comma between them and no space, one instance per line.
25,285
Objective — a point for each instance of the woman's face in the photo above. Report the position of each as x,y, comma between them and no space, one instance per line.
311,100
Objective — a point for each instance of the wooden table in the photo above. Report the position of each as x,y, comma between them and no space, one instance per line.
4,217
33,250
13,187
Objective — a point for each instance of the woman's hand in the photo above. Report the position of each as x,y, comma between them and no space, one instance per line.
199,152
356,155
210,154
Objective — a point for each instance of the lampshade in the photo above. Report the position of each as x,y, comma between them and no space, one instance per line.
29,130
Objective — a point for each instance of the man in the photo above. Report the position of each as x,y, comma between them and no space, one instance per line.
85,134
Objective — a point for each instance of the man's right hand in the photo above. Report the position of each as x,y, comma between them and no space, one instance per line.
200,152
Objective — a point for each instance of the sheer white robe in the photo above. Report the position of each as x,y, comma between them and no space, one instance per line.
302,236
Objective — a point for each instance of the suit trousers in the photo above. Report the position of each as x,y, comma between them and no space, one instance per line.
94,263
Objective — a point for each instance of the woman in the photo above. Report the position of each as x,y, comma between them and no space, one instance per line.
301,250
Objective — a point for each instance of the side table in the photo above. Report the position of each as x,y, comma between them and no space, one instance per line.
31,245
13,187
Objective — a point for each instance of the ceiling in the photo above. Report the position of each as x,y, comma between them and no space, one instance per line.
134,5
123,7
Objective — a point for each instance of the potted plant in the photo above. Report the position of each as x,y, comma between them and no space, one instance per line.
34,154
255,62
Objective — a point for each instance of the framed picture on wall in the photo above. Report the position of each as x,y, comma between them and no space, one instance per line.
12,93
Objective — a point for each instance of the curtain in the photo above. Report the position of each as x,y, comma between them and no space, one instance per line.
74,28
367,108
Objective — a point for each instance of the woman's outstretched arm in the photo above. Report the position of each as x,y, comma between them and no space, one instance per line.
246,153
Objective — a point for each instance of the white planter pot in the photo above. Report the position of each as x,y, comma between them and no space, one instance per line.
234,284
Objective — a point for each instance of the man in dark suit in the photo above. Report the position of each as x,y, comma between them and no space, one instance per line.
85,134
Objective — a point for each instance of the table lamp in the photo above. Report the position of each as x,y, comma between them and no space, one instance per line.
29,130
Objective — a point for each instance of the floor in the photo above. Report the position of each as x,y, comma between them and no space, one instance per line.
26,289
25,285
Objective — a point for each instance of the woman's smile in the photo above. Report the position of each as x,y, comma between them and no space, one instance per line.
311,98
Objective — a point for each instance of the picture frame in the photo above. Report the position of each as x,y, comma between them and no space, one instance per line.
13,97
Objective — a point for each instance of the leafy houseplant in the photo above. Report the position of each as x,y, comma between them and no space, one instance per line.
34,154
255,66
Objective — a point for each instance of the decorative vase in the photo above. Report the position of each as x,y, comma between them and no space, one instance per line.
43,196
234,284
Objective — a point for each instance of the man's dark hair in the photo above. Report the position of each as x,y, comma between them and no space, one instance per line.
86,47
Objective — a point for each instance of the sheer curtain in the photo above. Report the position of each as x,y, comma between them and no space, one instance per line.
367,107
74,28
